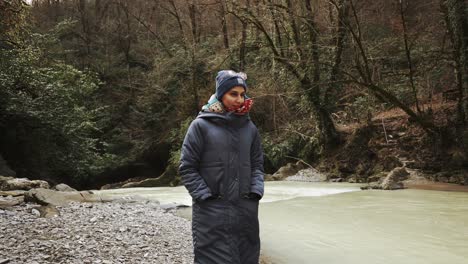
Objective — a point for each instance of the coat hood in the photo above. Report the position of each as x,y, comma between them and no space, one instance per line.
228,118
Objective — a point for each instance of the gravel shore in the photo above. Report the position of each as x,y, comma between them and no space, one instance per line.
114,232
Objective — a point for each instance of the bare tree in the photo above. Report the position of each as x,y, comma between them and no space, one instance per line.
402,4
365,78
302,52
224,23
457,25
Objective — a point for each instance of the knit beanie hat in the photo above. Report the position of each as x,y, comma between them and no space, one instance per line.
227,79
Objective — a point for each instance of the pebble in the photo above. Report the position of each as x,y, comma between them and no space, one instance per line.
35,212
137,232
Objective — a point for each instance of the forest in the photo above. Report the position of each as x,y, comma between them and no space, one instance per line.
95,92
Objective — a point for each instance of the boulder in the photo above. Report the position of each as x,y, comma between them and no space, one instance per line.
13,193
289,169
10,183
62,187
394,179
418,177
308,175
47,196
10,201
47,211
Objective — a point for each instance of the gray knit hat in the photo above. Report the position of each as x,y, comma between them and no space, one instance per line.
227,79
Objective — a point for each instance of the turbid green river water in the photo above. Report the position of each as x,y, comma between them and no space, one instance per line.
337,223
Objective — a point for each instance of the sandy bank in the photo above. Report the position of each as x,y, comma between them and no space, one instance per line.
438,186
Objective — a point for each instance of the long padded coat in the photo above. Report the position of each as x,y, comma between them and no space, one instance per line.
221,163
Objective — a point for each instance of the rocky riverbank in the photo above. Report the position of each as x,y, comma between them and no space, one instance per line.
112,232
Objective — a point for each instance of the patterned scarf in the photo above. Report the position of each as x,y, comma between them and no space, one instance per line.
214,105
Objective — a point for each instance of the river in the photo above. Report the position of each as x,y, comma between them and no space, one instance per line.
338,223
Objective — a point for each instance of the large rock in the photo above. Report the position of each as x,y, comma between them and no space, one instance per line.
10,183
14,193
289,169
62,187
47,196
9,201
308,175
394,179
47,211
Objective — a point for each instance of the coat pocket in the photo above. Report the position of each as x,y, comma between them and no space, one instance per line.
213,174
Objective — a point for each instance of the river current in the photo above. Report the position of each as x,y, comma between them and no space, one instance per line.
337,223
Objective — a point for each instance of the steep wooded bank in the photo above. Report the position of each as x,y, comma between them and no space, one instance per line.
96,92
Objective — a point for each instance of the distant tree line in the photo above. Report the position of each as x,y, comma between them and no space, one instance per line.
91,86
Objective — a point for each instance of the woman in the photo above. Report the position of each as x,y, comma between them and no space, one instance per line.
222,168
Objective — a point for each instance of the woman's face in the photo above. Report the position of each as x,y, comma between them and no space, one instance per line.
234,98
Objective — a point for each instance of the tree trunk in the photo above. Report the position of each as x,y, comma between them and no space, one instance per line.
334,88
277,29
224,25
242,50
457,25
294,28
329,137
193,21
408,55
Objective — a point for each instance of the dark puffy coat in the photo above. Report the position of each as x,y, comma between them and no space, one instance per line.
221,166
